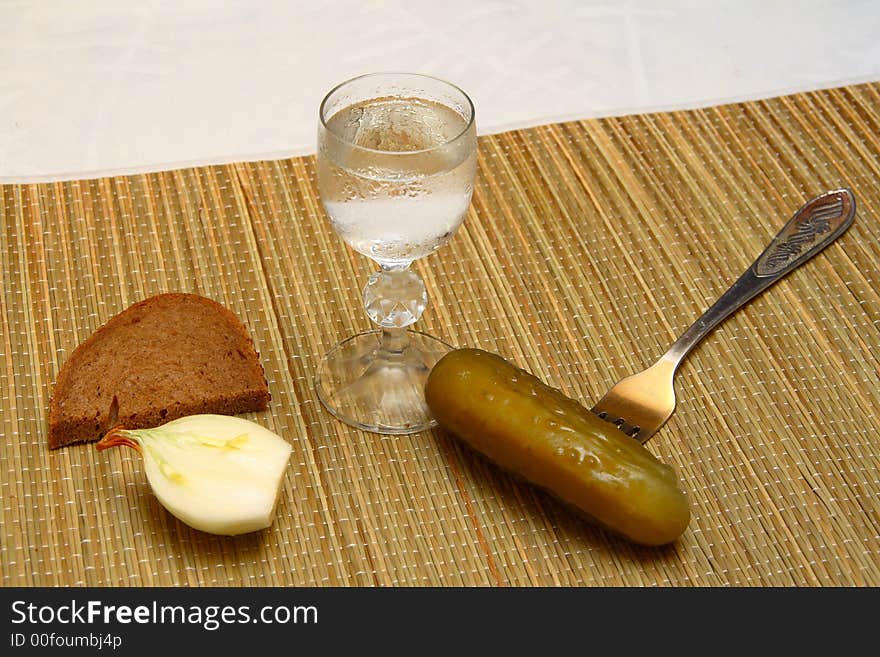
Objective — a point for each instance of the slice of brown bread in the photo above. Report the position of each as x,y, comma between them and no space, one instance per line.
168,356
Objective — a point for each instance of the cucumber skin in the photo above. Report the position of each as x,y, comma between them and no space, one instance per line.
535,431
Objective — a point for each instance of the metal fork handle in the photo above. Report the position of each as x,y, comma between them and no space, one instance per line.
816,225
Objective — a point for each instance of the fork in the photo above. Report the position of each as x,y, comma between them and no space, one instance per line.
640,404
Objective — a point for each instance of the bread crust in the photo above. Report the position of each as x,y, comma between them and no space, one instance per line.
165,357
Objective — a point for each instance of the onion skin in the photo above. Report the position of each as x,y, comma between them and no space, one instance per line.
217,473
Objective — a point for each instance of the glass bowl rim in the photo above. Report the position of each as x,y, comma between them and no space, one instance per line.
447,143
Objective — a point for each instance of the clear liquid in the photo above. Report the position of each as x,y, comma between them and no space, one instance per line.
403,189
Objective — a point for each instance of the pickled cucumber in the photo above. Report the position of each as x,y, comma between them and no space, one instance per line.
535,431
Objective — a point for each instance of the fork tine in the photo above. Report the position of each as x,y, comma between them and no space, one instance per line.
640,404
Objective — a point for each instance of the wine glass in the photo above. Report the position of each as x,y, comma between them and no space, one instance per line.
396,165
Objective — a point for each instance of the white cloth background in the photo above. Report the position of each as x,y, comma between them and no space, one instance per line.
101,87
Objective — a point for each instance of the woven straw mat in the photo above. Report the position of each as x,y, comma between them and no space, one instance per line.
588,248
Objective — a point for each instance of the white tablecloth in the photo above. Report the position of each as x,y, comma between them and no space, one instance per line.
101,87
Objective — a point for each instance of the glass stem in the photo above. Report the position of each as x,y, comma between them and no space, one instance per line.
393,343
394,340
394,298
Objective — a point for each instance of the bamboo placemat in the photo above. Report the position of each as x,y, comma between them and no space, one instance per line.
588,248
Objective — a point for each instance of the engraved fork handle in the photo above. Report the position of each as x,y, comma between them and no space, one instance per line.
816,225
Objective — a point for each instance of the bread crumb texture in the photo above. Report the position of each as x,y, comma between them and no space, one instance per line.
168,356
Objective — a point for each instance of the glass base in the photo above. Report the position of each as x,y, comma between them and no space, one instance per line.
372,388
